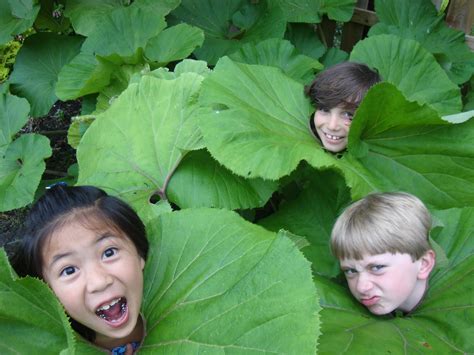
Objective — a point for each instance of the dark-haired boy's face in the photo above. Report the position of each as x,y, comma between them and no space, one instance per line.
97,275
332,126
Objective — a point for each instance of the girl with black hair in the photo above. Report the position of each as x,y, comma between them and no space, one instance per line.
90,248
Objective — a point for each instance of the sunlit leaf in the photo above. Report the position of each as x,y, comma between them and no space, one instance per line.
221,284
412,69
419,20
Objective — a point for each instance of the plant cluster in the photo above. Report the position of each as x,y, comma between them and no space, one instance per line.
194,108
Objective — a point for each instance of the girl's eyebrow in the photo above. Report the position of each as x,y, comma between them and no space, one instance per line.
100,239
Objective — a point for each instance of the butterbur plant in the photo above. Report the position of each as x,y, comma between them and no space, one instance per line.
194,112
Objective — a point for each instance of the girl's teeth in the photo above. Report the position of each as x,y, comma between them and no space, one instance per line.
107,306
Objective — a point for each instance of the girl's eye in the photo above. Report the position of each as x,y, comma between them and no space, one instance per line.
68,271
108,253
377,267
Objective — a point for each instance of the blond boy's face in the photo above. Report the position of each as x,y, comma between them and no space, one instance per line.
387,282
332,126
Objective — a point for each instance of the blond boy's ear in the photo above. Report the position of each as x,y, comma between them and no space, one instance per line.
427,264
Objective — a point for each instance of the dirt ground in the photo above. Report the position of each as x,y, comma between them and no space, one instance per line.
54,125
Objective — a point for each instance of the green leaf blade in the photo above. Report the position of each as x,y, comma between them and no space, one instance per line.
221,270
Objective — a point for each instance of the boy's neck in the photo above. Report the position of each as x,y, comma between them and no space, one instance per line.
415,298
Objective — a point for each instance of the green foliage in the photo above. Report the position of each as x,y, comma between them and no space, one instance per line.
165,131
21,159
16,17
413,70
37,65
418,20
233,23
8,54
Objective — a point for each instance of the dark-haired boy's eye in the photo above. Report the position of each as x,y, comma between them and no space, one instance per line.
68,271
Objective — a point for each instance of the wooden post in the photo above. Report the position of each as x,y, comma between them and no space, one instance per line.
352,31
461,15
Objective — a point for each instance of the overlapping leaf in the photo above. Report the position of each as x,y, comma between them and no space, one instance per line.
37,66
260,125
412,69
33,320
443,322
217,283
123,32
311,213
16,17
395,144
87,15
136,146
281,54
21,160
418,20
229,24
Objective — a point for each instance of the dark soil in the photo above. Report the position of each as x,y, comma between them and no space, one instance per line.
54,125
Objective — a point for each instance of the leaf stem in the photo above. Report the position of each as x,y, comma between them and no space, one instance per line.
162,191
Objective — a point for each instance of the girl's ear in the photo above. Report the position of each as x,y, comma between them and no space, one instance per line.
427,264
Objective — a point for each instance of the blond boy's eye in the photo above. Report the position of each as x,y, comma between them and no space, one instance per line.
377,267
349,272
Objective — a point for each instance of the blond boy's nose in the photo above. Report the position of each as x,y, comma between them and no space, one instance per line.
363,284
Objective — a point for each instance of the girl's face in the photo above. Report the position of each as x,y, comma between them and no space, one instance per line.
97,275
332,126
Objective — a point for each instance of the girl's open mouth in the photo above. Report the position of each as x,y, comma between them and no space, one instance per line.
114,313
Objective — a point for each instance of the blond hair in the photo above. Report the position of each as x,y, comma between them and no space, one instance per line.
392,222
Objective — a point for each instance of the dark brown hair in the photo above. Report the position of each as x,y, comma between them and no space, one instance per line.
342,84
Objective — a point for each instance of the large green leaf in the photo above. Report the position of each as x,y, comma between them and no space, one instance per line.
278,53
218,284
21,160
311,214
124,32
86,15
16,17
260,125
229,24
395,144
136,146
301,10
37,65
85,74
303,36
338,10
174,43
441,325
412,69
33,320
419,20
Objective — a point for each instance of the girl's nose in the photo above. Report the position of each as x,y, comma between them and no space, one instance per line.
98,279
